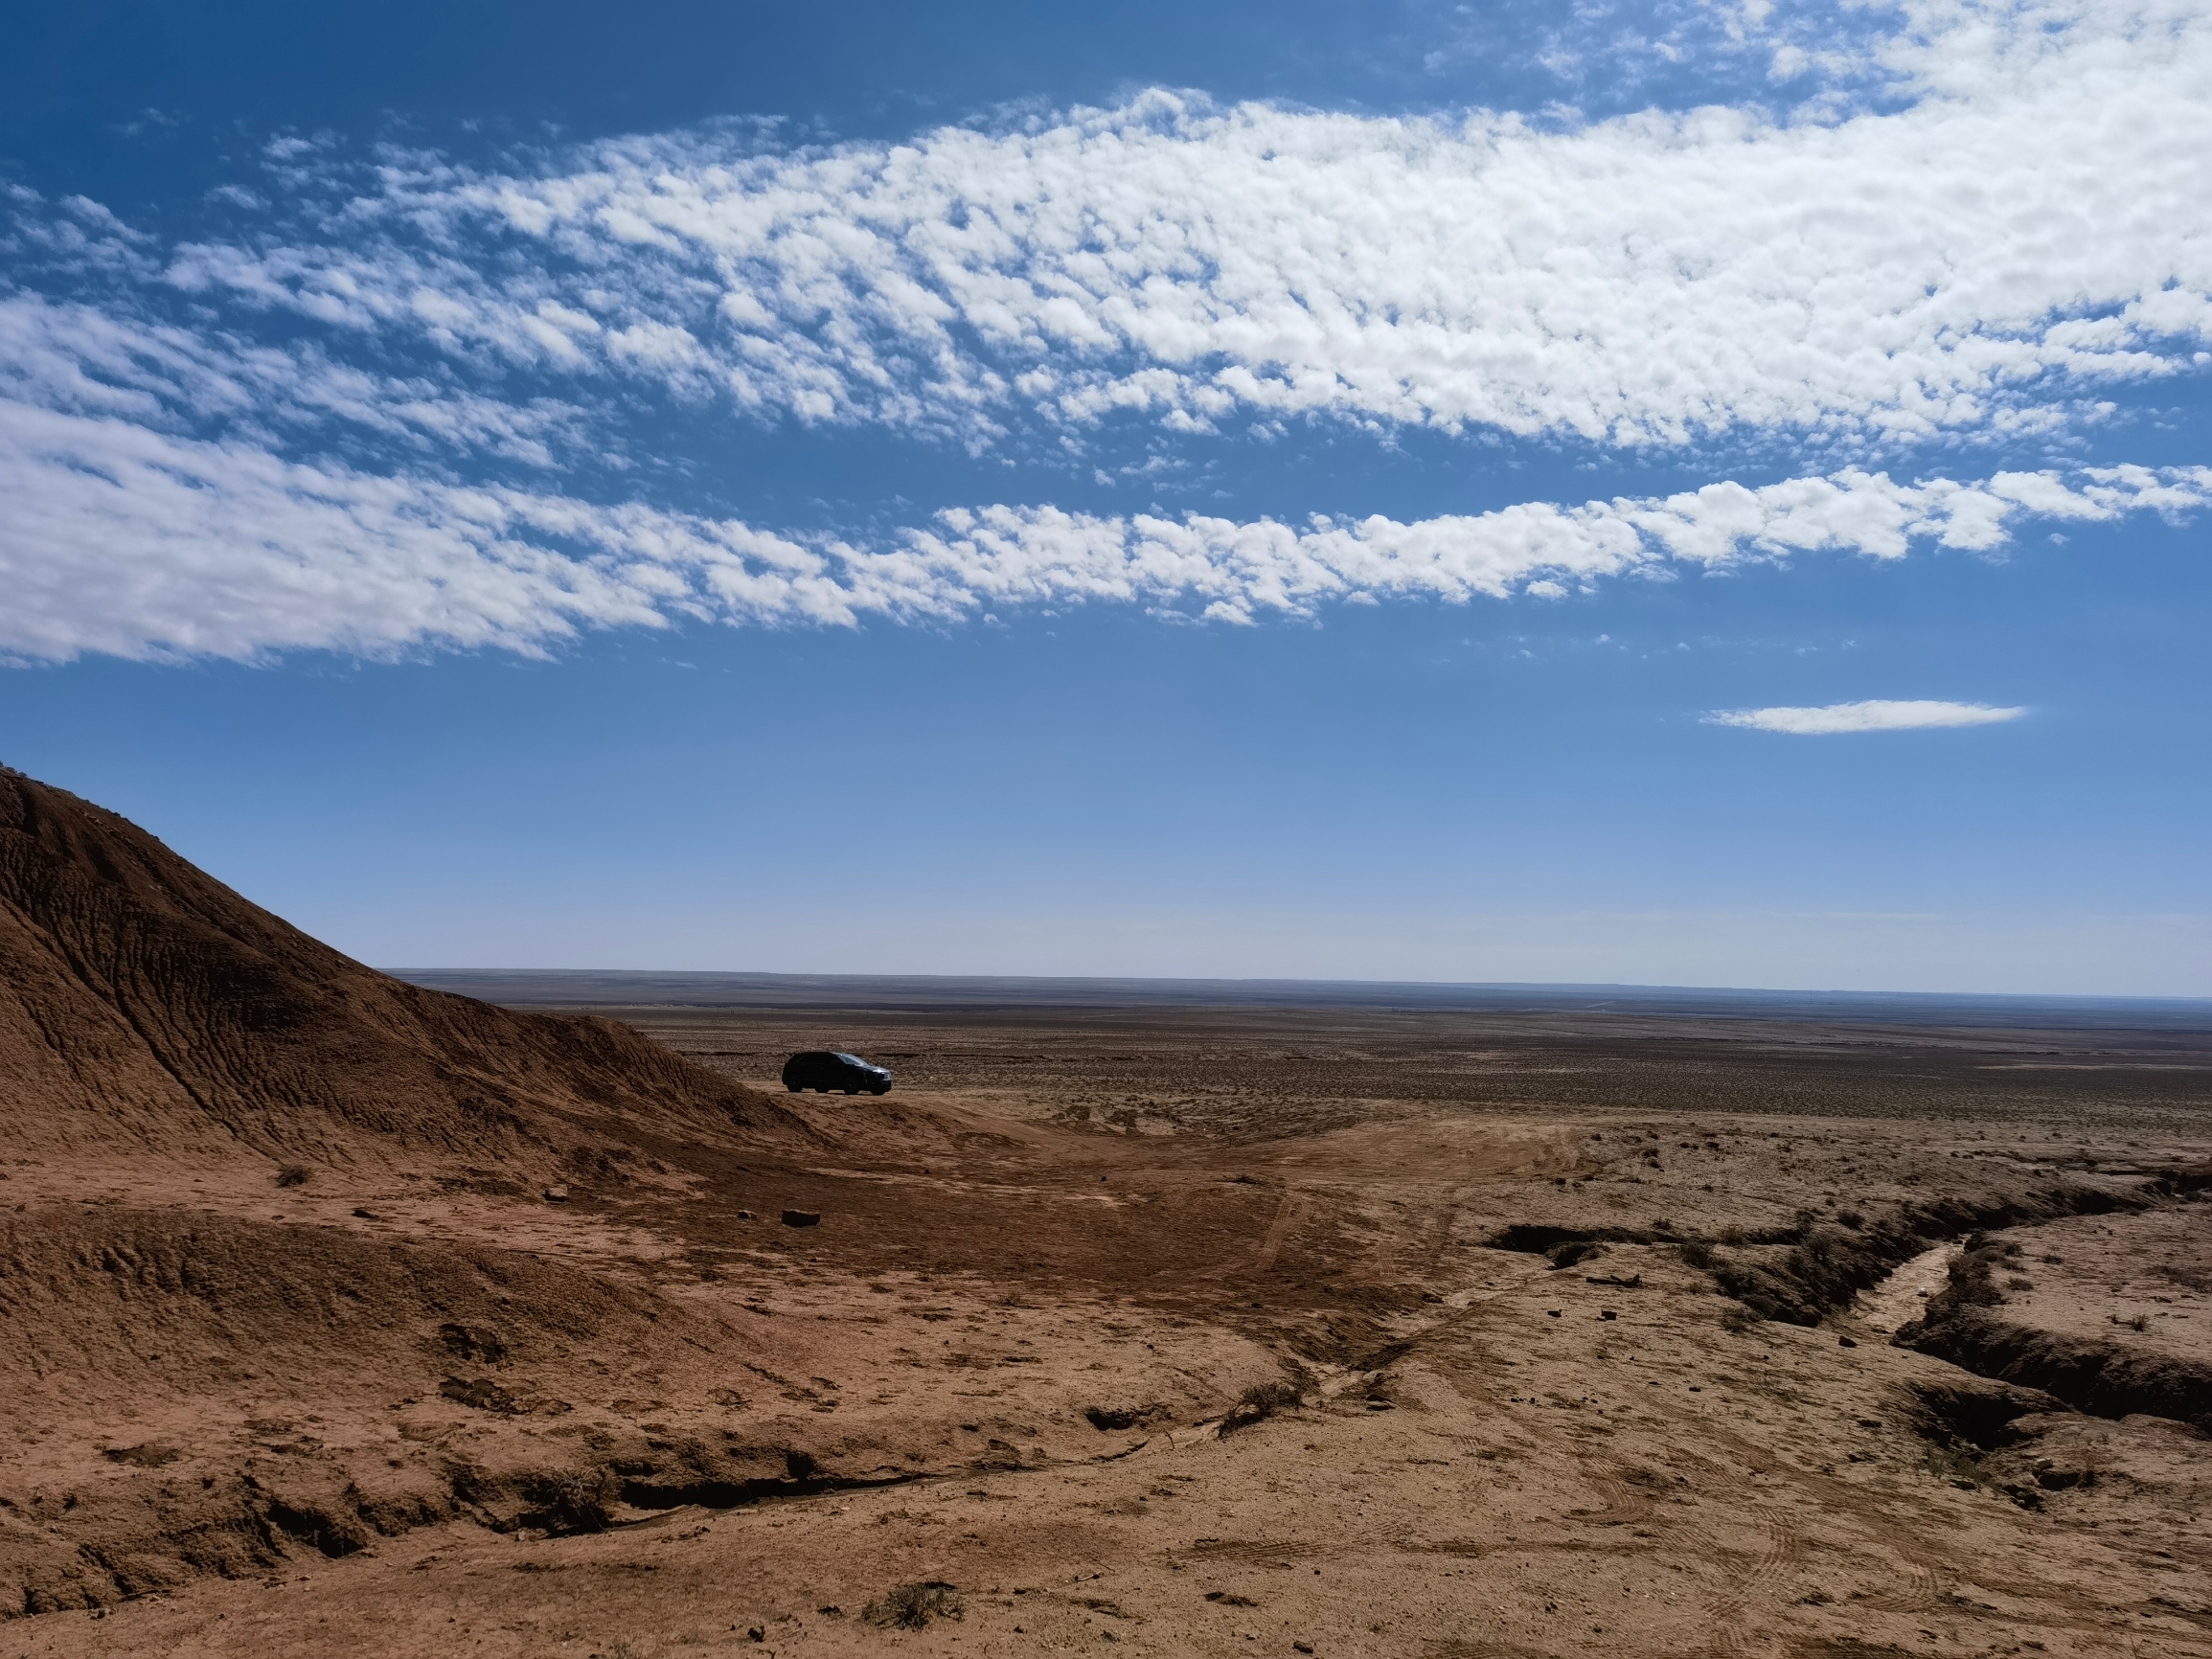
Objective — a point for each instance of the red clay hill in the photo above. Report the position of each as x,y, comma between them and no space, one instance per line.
145,1008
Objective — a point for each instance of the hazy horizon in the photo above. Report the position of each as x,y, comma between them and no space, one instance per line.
866,989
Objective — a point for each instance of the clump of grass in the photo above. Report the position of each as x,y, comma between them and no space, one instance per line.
1264,1399
1851,1219
293,1175
911,1607
1697,1255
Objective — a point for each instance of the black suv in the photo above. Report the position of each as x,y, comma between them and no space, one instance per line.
824,1070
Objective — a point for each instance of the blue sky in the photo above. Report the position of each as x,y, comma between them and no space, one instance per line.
1675,493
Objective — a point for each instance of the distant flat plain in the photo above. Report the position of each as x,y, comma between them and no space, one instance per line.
1283,1052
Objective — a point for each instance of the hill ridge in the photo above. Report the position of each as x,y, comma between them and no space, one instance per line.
144,1005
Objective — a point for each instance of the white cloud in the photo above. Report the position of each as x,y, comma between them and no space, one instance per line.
84,359
184,479
135,542
1998,248
1868,717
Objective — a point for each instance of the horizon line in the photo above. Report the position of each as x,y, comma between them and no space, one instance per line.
1257,982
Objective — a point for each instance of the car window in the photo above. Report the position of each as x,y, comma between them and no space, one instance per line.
849,1060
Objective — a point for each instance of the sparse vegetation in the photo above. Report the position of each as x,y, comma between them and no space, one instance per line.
292,1175
2187,1278
911,1607
1264,1399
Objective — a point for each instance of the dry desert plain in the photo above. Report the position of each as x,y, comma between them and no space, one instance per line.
1155,1324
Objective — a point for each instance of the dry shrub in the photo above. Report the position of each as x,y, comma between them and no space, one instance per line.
1264,1399
292,1175
911,1607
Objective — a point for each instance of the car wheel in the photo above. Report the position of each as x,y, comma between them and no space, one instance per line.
794,1089
851,1091
884,1090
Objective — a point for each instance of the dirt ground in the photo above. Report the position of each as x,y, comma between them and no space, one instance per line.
1209,1331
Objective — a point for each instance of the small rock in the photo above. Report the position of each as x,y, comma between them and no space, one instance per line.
802,1217
1301,1646
745,1215
1607,1313
557,1194
1845,1342
151,1455
473,1342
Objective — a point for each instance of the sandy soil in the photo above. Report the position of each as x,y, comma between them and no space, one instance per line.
2145,1279
1903,1297
1183,1331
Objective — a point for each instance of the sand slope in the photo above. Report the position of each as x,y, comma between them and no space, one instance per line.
144,1006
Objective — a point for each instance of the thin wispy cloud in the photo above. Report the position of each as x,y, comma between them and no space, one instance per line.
139,544
1878,716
